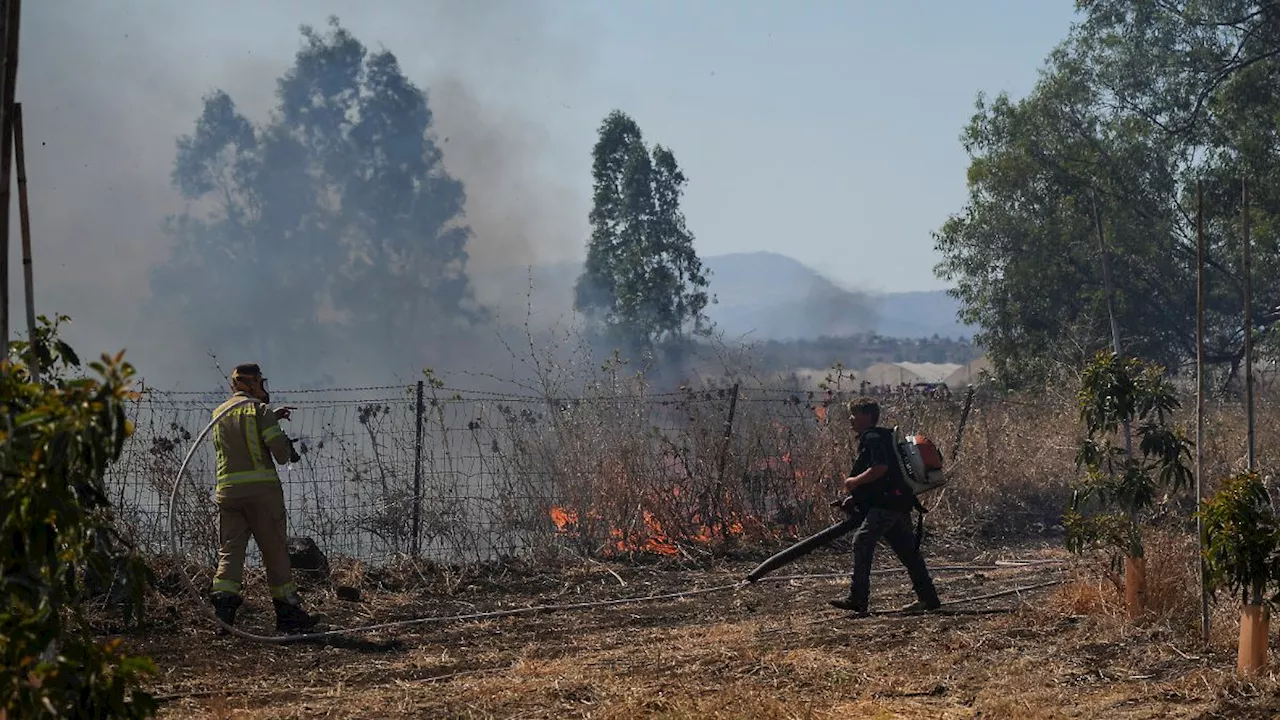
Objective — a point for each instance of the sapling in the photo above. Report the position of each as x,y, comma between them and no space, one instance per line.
1119,397
1241,540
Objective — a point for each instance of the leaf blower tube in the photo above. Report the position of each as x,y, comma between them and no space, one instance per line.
804,547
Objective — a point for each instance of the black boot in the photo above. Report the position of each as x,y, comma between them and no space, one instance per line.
225,605
926,597
848,603
291,618
922,606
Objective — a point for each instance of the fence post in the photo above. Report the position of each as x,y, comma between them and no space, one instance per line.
724,457
417,475
964,418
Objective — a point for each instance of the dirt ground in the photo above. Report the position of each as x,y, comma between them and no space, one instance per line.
771,650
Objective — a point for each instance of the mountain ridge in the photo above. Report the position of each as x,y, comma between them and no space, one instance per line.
761,296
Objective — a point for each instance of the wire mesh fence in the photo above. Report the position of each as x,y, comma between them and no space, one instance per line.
453,475
465,476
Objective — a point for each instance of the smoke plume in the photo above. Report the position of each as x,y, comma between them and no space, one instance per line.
106,92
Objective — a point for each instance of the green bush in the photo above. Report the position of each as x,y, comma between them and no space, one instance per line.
58,437
1241,537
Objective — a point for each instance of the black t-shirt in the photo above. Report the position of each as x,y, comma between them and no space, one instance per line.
875,447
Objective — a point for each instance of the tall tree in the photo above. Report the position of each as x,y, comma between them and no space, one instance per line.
643,282
1140,101
337,214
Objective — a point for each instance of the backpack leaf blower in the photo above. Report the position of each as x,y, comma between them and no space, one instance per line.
920,463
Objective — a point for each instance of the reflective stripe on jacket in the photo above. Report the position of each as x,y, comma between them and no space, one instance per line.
246,440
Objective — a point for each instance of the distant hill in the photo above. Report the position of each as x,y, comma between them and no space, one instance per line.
762,296
921,314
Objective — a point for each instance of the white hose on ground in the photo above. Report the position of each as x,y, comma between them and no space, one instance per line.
281,639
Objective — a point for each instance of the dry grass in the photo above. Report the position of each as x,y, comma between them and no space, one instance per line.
771,651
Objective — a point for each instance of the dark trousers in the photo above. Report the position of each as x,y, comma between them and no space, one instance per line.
894,527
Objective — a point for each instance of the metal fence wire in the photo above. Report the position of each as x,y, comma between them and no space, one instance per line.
459,476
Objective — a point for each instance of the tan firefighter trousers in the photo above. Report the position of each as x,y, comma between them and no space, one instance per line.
256,510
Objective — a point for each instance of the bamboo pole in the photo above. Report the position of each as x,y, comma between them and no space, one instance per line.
1248,322
24,218
1200,298
1111,311
1135,568
8,58
14,11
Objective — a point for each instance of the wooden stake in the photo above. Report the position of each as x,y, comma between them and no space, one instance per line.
1248,321
24,217
6,30
1200,298
13,11
1111,311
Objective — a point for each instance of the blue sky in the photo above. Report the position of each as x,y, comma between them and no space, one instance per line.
828,131
825,130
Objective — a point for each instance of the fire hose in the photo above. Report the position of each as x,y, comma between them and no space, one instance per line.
802,548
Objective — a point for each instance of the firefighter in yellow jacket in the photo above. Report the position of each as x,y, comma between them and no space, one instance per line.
250,500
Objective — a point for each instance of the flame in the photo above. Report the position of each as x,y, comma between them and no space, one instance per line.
652,538
562,518
667,523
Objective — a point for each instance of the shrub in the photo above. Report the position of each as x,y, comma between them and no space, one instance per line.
1241,539
58,437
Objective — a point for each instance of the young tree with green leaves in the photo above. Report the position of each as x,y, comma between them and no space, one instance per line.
643,283
337,214
1240,533
58,439
1131,451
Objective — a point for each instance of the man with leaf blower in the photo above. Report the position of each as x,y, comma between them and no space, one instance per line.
250,500
880,502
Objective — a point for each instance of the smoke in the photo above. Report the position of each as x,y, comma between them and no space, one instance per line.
767,296
499,64
516,210
106,92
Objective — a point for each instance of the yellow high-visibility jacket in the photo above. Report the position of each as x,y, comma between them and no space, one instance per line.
246,440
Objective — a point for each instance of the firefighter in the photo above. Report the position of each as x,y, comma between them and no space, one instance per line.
250,500
883,500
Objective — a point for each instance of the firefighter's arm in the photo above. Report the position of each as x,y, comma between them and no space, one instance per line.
273,436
